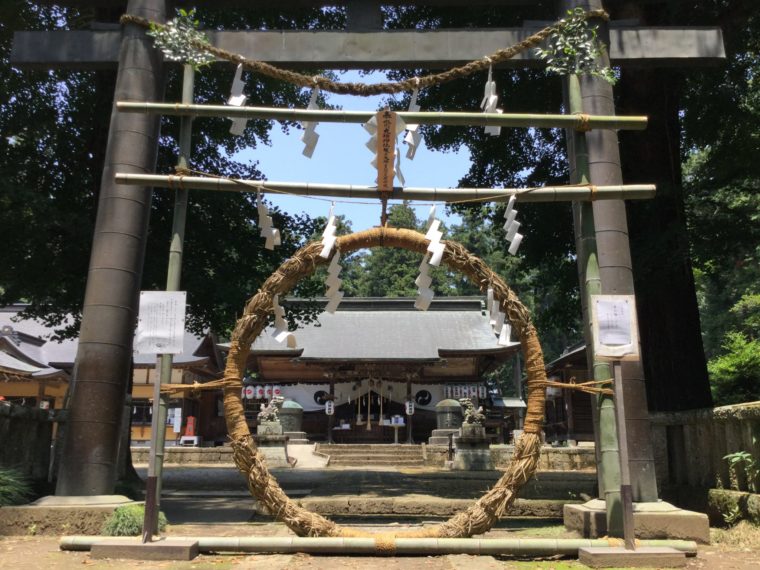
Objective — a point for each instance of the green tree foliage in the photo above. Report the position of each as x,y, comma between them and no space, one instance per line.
735,375
545,277
390,272
721,126
54,126
735,372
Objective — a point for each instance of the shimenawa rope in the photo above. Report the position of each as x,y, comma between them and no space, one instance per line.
369,89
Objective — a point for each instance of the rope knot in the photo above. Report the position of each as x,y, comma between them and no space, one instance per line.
583,124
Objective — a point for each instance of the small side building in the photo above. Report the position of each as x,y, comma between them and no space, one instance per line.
569,412
36,370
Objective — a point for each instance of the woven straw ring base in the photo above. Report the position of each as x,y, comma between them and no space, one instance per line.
480,516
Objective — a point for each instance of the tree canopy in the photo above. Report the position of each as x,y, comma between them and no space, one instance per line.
701,150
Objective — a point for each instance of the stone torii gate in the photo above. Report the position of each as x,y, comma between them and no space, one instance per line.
110,306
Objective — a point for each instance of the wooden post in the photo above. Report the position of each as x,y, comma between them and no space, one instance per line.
626,493
331,418
409,438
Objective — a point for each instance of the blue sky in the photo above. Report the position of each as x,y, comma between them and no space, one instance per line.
341,157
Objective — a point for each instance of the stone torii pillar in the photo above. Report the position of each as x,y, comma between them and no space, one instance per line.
110,308
101,371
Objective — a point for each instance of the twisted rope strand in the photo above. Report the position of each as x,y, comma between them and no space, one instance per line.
370,89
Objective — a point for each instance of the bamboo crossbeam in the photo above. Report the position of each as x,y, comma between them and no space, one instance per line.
545,194
584,122
400,546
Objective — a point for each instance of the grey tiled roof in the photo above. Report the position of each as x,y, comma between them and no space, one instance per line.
363,330
34,343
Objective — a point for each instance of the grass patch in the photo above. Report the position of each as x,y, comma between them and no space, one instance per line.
128,521
15,488
744,535
545,565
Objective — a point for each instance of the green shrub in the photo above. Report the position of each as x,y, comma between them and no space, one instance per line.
14,488
128,521
735,375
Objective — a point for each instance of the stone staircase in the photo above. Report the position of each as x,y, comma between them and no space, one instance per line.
372,455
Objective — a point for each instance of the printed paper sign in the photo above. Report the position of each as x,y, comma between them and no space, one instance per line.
614,326
161,323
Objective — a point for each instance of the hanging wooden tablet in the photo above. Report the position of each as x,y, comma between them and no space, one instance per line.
386,150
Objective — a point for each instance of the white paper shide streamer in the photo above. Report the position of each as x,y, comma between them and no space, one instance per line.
489,102
413,136
281,333
432,258
328,235
238,99
310,137
498,321
334,294
268,231
511,225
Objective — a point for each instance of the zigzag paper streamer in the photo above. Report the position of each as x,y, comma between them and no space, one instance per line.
328,236
431,259
333,293
435,247
511,225
498,320
268,231
489,102
310,137
238,99
281,332
424,293
413,136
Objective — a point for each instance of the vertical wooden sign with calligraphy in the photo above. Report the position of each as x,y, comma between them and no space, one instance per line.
386,150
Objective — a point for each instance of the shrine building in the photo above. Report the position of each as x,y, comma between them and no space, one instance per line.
373,356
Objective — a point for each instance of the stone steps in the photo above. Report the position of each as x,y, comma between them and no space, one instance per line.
368,461
425,506
372,454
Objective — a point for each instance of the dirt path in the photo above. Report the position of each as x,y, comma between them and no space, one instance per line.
737,549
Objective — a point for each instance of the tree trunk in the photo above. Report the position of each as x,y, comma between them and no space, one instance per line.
671,342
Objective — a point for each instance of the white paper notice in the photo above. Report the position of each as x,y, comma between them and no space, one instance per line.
176,419
615,325
161,324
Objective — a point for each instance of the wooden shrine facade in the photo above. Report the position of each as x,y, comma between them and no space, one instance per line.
372,356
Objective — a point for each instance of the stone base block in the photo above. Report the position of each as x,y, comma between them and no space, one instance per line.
134,549
60,515
651,521
269,428
642,557
441,436
296,437
473,459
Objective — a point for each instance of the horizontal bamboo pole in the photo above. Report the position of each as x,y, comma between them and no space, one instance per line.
401,546
546,194
636,123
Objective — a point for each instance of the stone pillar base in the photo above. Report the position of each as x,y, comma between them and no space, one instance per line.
642,557
658,520
297,437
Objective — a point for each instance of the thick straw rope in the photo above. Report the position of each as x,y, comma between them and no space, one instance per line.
478,518
369,89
